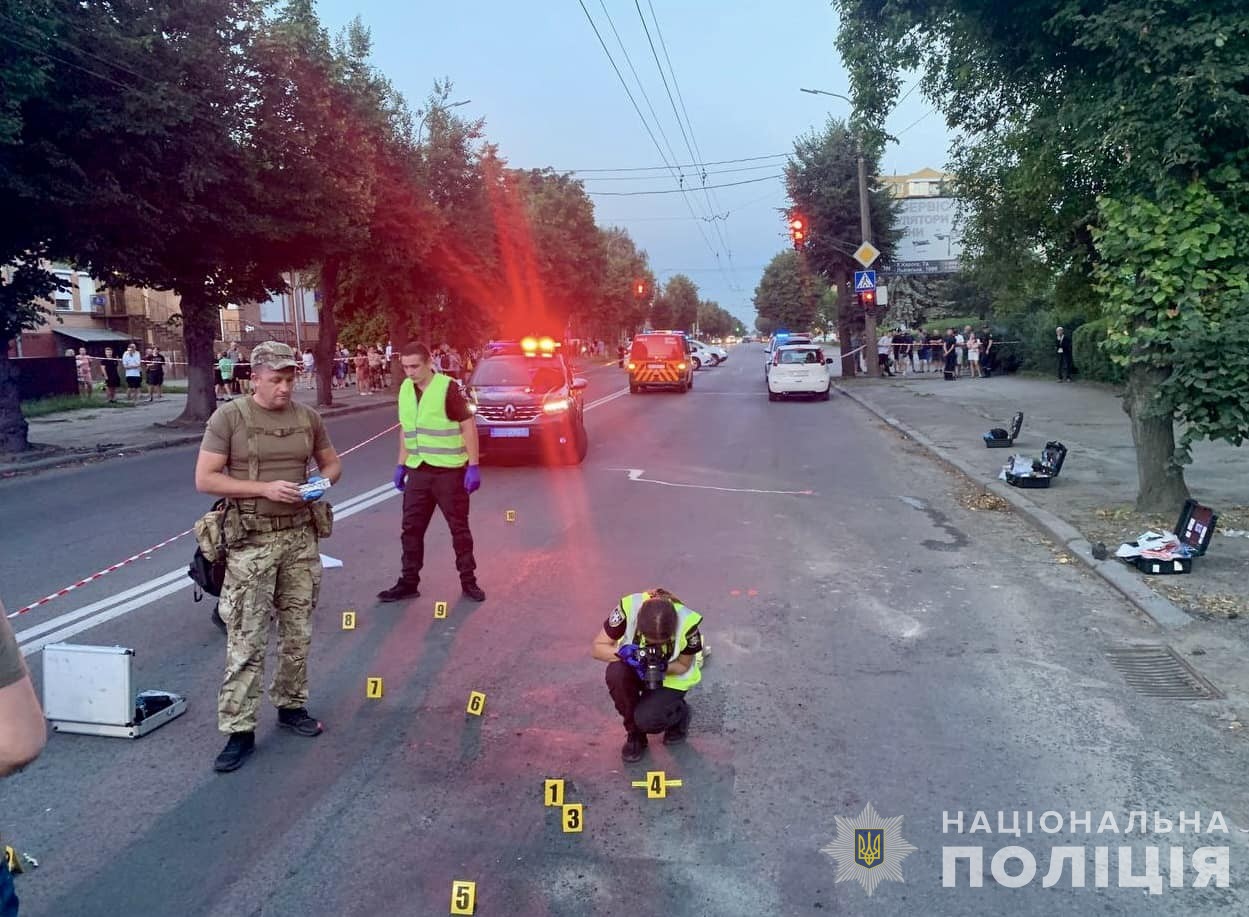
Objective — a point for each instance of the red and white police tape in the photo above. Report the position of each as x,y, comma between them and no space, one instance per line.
146,551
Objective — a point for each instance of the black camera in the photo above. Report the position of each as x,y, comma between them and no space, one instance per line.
654,664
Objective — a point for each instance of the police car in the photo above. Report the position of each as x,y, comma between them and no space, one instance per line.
780,339
526,400
799,369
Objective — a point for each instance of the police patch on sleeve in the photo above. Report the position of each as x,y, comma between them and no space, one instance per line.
616,618
693,641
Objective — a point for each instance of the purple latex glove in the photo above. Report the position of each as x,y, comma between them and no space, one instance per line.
401,472
472,478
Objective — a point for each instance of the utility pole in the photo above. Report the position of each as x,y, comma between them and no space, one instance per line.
865,224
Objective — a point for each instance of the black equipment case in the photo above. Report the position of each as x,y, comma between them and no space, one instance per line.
1003,442
1195,528
1044,470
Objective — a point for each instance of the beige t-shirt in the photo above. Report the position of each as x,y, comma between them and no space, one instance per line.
12,669
284,453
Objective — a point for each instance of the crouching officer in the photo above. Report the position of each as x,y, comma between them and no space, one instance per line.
255,452
653,648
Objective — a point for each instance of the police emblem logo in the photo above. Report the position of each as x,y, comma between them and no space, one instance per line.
617,617
869,849
869,846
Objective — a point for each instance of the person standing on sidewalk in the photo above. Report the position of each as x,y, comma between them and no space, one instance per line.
437,468
155,374
225,366
949,350
973,354
255,453
132,364
112,376
1064,355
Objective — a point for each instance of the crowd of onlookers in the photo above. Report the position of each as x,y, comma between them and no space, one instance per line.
953,353
132,369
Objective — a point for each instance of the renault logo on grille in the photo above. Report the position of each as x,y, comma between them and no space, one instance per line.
509,412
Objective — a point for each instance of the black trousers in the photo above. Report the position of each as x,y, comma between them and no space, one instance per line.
1064,366
644,711
426,489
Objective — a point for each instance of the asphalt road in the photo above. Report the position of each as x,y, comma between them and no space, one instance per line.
872,641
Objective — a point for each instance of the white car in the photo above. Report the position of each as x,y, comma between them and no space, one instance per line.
718,354
798,369
700,354
780,341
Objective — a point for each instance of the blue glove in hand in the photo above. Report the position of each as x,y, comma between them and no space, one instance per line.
315,488
472,478
401,473
629,655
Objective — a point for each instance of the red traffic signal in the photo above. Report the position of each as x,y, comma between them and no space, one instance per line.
867,300
798,231
639,288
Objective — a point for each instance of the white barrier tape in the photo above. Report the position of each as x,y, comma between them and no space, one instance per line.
146,551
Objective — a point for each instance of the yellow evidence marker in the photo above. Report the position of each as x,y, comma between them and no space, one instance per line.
349,620
440,609
463,897
510,515
476,703
656,784
573,820
553,792
373,687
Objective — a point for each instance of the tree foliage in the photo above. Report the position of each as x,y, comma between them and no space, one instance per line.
788,294
1102,153
676,306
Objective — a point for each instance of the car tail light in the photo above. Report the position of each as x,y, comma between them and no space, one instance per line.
776,358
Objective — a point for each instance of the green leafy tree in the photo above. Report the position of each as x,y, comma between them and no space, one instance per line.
621,308
1118,129
788,295
677,305
822,180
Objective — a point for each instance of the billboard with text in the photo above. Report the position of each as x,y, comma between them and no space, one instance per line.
932,240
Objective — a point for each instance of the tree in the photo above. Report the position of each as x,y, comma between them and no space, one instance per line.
788,294
621,308
715,322
822,182
1118,129
677,305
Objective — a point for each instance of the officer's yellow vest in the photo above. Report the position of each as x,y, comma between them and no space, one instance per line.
429,435
686,618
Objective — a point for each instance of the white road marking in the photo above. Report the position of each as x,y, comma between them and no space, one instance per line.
71,623
635,474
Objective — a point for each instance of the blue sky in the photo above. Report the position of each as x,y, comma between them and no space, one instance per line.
538,75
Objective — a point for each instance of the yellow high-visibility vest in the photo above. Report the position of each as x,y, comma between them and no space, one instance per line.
686,618
428,433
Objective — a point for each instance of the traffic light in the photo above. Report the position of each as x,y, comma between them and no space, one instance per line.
639,288
798,231
867,300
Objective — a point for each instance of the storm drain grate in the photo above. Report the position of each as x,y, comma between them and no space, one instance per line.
1156,671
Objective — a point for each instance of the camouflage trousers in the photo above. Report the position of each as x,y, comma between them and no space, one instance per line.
267,573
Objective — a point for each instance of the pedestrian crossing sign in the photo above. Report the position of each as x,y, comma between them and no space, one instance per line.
864,281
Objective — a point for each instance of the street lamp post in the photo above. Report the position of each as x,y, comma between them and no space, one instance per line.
865,226
421,128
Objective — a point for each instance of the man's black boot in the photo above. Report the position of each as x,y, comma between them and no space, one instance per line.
634,747
297,720
237,750
473,591
398,592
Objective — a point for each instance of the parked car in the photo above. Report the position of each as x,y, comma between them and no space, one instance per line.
718,354
799,369
780,339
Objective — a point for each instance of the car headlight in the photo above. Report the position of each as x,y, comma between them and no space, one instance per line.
556,406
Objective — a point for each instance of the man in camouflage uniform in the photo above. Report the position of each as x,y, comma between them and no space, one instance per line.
256,452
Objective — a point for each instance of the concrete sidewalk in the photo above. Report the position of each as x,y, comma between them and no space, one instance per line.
1092,500
76,436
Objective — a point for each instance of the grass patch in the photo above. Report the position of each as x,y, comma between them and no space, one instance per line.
58,404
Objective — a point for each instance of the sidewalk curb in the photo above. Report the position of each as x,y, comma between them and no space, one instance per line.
68,459
1161,611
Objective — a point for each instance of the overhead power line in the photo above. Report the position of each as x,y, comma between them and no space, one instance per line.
680,165
758,168
732,184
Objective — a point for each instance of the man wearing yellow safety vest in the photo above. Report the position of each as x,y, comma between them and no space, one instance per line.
653,648
437,468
